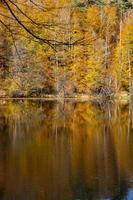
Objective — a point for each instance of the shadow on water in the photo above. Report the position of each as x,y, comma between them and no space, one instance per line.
66,150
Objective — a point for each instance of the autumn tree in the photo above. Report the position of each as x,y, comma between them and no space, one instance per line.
66,48
124,52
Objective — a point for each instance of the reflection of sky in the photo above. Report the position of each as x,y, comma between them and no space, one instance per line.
130,195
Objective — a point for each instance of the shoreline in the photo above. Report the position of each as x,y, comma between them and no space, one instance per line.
84,98
120,96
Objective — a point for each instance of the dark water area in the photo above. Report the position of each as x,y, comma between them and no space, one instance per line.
66,150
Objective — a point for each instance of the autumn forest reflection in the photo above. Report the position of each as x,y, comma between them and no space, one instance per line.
66,150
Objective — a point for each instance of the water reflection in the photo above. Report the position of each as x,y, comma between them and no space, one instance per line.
66,151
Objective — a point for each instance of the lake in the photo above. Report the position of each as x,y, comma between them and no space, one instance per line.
66,150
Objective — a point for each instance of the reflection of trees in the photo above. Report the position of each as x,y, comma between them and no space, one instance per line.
64,150
99,155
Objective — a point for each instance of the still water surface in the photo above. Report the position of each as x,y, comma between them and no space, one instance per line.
66,151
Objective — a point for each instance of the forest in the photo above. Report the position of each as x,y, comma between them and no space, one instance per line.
66,48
